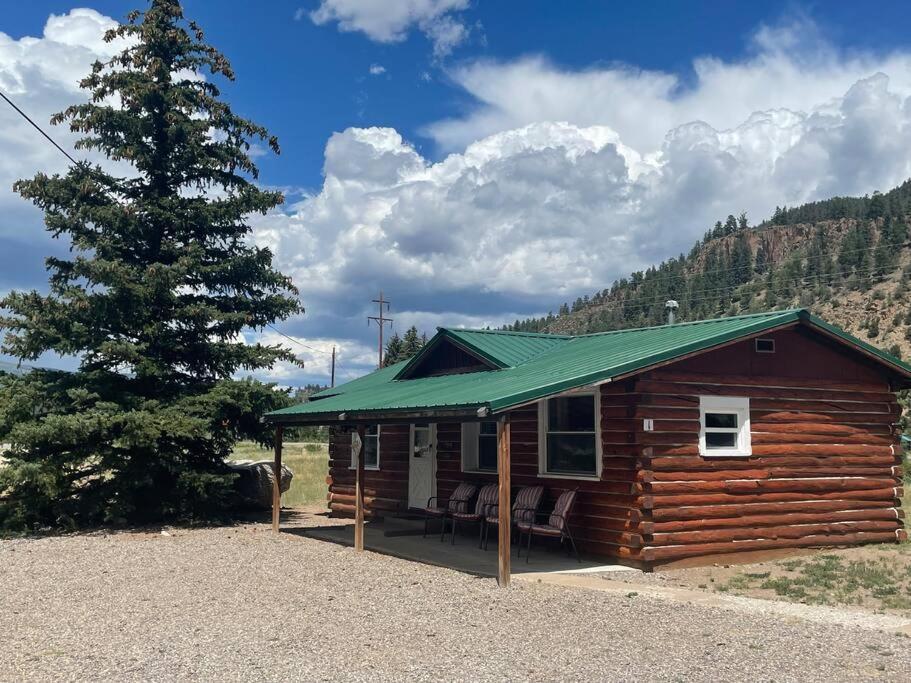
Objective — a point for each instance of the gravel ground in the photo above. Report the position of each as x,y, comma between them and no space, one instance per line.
239,603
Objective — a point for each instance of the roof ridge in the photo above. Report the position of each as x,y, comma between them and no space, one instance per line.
690,323
540,335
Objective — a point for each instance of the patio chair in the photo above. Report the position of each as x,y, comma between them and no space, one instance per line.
524,508
557,525
457,502
486,497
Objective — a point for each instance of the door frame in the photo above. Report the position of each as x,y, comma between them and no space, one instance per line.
433,465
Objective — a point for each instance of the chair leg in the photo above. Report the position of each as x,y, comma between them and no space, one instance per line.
452,536
486,533
518,542
528,549
426,523
576,552
442,528
481,526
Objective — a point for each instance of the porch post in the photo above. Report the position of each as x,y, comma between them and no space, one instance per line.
277,483
504,550
359,492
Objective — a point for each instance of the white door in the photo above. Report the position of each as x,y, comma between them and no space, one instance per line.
422,464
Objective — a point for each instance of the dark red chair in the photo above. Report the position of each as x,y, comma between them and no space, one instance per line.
557,525
458,502
486,497
526,505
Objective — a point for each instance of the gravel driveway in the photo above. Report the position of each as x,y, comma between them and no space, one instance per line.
241,604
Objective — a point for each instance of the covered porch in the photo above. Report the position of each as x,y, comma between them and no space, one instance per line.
402,535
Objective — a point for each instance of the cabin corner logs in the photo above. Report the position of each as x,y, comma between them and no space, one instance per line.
824,471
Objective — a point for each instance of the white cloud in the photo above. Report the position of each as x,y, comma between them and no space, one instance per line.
390,22
377,69
552,210
41,75
780,73
353,358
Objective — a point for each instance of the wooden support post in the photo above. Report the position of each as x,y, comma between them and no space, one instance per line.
359,492
277,484
504,550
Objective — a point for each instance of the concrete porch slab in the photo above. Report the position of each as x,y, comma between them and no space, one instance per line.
405,540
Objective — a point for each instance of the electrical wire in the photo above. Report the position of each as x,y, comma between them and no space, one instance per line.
37,127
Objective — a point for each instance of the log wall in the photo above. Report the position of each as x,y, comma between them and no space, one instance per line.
824,469
385,489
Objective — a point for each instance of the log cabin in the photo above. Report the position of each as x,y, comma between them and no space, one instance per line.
720,437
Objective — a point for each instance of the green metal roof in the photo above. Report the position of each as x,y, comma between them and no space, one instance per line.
535,366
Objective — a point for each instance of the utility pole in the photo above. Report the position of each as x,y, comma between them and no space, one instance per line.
380,321
332,382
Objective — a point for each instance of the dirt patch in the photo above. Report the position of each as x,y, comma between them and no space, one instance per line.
870,578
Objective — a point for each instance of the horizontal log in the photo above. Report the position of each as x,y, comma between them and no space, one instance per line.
703,512
789,450
818,417
746,521
772,532
683,463
653,501
821,384
590,534
666,553
758,437
831,405
774,473
340,510
640,412
803,485
372,502
807,427
759,391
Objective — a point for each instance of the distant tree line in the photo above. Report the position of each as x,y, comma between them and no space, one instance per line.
735,268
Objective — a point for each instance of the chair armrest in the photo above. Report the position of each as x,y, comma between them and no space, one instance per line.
438,500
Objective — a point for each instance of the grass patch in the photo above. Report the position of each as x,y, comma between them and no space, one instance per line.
309,462
878,582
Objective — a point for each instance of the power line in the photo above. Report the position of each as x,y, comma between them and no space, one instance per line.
38,128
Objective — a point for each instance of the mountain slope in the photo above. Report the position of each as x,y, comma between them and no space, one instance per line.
847,259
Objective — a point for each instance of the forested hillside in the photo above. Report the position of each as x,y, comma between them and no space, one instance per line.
846,259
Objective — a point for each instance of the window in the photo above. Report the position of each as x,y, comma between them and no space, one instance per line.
479,447
765,346
371,448
724,426
568,443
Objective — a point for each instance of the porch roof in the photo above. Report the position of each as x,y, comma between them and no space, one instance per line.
533,366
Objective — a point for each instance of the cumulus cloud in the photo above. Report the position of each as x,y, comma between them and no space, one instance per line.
377,69
550,210
780,72
390,22
41,74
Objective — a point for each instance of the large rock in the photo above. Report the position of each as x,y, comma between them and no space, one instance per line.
254,483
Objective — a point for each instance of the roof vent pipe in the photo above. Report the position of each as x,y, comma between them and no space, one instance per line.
671,307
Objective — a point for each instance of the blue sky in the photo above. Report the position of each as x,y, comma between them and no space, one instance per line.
486,160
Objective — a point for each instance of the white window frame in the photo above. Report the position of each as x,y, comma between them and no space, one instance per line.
354,455
738,405
471,435
542,438
764,339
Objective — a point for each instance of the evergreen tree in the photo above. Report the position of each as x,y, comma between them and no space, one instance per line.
393,352
412,343
161,282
